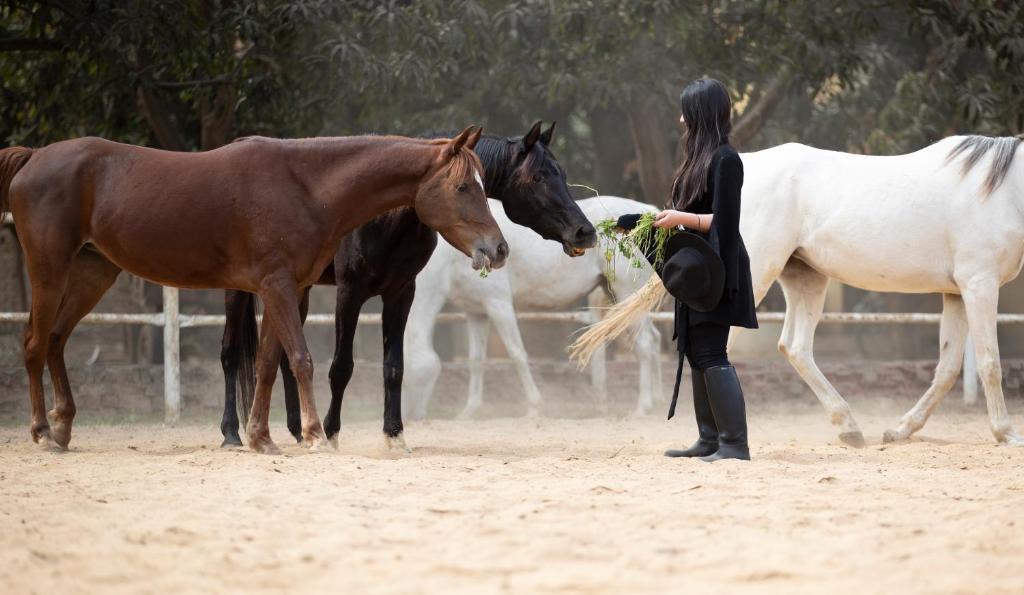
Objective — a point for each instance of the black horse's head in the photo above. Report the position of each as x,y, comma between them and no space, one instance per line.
524,175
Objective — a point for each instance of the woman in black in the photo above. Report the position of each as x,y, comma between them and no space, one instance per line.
705,199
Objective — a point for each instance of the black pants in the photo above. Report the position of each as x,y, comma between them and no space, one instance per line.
705,346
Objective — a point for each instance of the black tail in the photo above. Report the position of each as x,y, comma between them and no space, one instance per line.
12,159
241,340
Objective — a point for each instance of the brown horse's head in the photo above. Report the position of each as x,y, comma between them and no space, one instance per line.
451,200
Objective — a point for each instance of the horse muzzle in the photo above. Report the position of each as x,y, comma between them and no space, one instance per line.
577,242
490,258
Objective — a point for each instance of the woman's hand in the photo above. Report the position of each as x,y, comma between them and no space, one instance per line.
669,218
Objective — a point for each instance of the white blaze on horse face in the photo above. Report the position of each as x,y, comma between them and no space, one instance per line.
479,180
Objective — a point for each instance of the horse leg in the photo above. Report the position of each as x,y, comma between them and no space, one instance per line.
804,289
91,277
268,356
422,364
981,299
291,389
281,313
503,316
599,361
240,316
952,336
49,280
646,346
478,329
346,317
394,316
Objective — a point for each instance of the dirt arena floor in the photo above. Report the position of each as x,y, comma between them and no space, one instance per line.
516,505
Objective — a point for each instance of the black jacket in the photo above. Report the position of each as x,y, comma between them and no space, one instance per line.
722,198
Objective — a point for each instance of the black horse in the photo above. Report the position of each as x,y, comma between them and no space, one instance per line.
383,258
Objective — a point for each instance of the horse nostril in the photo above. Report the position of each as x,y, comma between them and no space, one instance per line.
585,233
502,250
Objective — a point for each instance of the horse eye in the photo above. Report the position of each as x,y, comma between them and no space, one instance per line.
463,187
536,179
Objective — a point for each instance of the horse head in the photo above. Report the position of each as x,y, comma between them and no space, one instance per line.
451,201
525,176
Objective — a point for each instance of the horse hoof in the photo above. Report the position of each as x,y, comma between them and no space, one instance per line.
891,436
639,412
61,433
333,439
320,444
396,445
264,445
467,414
532,411
1013,440
854,439
232,441
46,442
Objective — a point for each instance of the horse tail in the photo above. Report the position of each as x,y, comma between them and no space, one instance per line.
975,147
12,160
241,340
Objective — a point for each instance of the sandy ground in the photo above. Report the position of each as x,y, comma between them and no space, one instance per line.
516,505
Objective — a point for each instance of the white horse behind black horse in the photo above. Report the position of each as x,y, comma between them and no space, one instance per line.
537,277
946,219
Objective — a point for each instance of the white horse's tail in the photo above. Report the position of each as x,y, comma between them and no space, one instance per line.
621,317
977,147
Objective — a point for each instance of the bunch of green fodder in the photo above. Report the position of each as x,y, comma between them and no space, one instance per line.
633,245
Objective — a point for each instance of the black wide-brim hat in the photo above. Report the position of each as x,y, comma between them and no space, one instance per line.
692,271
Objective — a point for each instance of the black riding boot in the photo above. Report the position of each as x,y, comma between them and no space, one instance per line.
726,398
707,443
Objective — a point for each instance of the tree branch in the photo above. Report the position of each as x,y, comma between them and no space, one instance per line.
756,115
30,44
218,80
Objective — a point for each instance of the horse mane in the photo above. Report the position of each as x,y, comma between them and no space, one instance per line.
496,155
463,165
535,159
977,146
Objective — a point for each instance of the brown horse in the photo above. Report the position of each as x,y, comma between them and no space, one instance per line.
264,216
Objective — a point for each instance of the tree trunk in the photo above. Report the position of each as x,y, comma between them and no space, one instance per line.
609,127
159,119
654,135
215,115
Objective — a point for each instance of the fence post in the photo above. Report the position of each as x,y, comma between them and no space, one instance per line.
172,363
970,373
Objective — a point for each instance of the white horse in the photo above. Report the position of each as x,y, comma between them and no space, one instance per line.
537,277
947,219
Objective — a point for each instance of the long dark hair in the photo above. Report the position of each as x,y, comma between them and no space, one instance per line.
707,111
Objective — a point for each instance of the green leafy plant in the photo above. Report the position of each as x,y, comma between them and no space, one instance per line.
633,245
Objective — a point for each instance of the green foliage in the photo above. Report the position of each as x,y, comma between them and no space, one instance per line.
864,75
643,239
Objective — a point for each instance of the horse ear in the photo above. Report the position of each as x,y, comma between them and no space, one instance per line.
473,138
545,137
460,141
532,136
